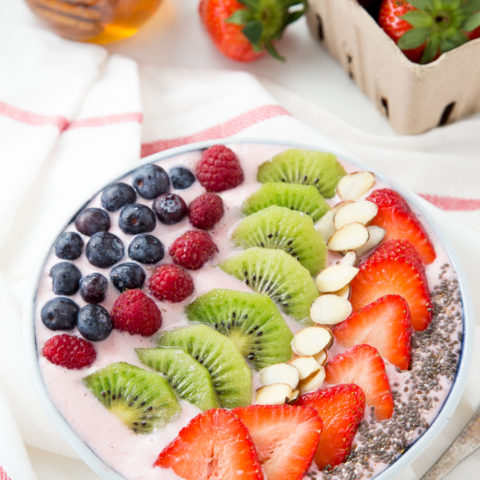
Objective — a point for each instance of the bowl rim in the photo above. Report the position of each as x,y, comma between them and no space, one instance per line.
106,472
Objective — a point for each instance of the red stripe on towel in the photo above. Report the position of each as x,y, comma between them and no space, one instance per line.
62,123
222,130
31,118
452,203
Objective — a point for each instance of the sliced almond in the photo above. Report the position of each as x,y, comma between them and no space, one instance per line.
334,278
294,395
355,185
376,235
330,309
356,212
325,225
321,358
349,237
311,340
313,382
274,394
343,292
305,365
349,259
279,373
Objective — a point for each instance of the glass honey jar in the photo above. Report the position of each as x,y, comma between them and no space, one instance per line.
98,21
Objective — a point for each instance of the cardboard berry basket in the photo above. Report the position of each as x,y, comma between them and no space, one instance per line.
415,98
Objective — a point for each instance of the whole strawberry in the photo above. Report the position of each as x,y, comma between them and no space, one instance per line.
244,30
136,313
424,29
219,169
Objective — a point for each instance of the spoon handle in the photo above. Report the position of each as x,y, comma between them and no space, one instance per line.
467,441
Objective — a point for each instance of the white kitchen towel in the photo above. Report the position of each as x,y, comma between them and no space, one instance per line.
82,115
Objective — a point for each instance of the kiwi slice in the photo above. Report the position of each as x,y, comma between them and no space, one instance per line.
307,167
140,398
250,320
302,198
231,377
282,228
277,274
189,378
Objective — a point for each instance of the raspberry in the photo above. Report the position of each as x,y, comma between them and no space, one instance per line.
192,249
171,283
205,211
69,351
134,312
219,169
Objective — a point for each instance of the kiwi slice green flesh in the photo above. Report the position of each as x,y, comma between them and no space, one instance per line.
188,378
302,198
277,274
231,376
250,320
306,167
282,228
140,398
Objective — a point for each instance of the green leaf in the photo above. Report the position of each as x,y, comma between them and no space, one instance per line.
418,18
253,31
472,22
431,50
250,4
422,4
471,6
273,52
294,16
413,38
459,39
446,44
240,17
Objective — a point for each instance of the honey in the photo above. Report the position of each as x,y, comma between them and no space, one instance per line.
97,21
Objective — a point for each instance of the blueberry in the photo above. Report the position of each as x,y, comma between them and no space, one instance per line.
146,248
127,276
92,220
104,249
94,323
136,218
93,288
150,181
181,177
60,313
117,195
65,278
69,245
170,208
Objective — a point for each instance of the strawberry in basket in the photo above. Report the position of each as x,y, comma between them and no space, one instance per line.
424,29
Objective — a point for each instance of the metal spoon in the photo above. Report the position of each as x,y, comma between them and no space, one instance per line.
467,441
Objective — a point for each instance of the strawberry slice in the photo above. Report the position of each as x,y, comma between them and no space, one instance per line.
400,223
385,325
215,445
341,410
394,268
363,366
285,437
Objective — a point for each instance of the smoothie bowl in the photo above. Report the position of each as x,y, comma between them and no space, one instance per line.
250,310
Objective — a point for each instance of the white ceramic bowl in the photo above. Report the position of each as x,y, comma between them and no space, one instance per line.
415,449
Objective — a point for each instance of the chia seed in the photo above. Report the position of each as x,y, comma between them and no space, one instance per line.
434,360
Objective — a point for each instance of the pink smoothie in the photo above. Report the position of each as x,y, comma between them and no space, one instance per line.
132,455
